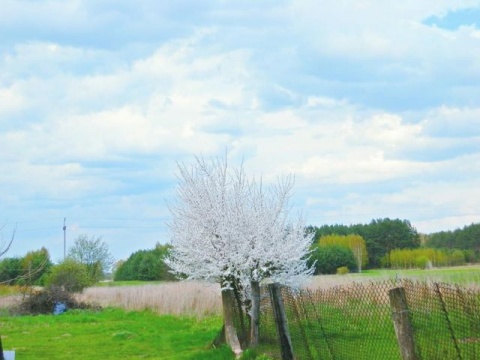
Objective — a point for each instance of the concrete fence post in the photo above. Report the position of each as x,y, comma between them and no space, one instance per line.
228,318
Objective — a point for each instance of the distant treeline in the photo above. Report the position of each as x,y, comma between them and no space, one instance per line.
381,236
467,238
396,243
31,269
380,243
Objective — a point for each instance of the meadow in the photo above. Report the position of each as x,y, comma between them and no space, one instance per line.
177,320
467,276
112,334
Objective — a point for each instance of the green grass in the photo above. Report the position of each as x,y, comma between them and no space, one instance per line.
126,283
111,334
116,334
462,275
362,330
348,332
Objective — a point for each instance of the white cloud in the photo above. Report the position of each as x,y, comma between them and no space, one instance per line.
23,180
374,111
10,101
447,122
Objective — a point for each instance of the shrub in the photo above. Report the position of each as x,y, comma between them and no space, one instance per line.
43,302
70,275
145,265
422,262
329,258
342,270
356,243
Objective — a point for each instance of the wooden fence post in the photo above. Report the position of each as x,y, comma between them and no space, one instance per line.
402,324
286,348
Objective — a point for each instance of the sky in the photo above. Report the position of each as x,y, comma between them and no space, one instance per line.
374,105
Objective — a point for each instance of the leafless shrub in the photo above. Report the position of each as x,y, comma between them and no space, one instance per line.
43,302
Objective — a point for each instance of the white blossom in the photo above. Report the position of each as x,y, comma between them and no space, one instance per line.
226,227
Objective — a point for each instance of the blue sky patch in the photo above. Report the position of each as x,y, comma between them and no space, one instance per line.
455,19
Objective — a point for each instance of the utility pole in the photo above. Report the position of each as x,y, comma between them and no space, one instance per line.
64,239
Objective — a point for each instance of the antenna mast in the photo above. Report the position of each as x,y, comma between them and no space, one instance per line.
64,239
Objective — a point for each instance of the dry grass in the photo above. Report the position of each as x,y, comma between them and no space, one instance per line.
325,282
175,298
9,301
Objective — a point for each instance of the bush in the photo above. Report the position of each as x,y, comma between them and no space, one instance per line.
329,258
422,262
145,265
70,275
43,302
342,270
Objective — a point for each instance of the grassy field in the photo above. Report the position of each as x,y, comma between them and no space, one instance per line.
468,276
457,275
111,334
173,320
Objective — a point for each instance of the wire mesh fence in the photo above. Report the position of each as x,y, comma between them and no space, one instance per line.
446,320
355,322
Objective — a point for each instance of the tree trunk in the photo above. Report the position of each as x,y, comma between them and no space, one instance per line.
230,332
255,313
358,257
243,337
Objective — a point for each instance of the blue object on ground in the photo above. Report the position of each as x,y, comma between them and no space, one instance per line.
9,355
59,308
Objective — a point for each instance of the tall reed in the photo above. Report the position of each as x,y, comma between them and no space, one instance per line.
176,298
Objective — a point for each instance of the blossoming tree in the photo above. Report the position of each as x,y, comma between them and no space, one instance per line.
233,230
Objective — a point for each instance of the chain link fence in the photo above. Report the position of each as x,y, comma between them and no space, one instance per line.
355,322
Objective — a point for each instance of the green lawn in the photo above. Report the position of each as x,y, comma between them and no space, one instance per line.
462,275
111,334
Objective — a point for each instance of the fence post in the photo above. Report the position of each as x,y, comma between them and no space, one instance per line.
1,350
254,313
402,324
228,316
286,348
